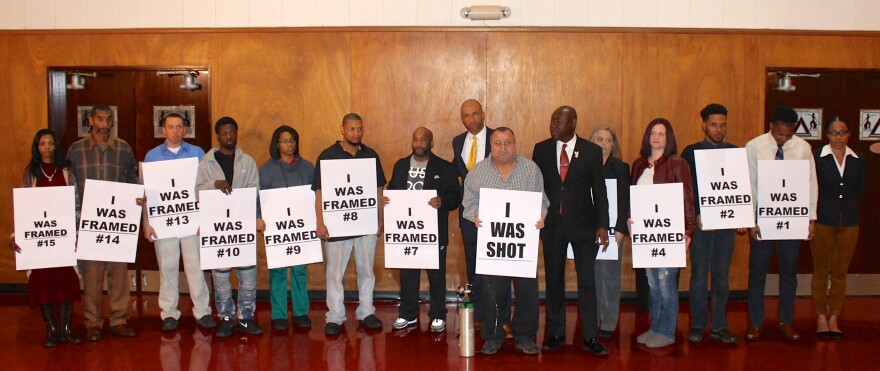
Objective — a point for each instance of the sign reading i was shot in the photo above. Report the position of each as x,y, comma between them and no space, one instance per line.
172,208
228,228
658,232
349,197
784,199
507,241
291,238
45,227
411,230
109,221
725,188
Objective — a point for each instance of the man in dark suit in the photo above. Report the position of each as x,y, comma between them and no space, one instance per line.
468,149
424,170
578,215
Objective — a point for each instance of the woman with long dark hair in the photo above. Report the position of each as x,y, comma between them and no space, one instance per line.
50,286
285,168
659,163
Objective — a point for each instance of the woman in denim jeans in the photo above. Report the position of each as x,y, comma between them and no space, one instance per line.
660,164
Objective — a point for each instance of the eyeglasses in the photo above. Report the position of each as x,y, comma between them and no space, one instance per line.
287,141
841,133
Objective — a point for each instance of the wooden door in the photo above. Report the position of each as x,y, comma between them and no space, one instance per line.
843,93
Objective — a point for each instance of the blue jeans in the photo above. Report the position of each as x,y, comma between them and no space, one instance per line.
247,292
712,252
664,300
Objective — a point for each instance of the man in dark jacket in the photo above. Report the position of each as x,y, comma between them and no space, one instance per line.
418,171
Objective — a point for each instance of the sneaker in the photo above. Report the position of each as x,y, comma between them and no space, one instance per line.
331,329
225,328
528,347
248,326
371,322
659,341
401,323
723,336
169,324
695,335
279,324
302,322
641,339
438,325
206,322
491,347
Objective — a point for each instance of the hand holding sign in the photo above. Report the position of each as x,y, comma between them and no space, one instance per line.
110,221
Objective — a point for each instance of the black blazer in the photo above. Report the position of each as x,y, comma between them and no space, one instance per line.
616,169
583,213
440,176
839,197
458,145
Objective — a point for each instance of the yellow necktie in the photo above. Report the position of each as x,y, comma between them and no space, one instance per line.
472,160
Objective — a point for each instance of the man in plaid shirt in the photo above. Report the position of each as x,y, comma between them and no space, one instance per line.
103,156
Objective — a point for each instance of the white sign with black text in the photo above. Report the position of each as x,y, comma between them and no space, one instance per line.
725,188
45,227
172,208
507,241
411,230
109,221
658,230
228,228
784,199
349,197
291,238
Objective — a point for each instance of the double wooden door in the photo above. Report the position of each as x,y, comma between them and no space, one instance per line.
139,97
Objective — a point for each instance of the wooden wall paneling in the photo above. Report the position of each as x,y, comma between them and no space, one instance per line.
266,80
401,81
151,49
24,107
531,74
674,76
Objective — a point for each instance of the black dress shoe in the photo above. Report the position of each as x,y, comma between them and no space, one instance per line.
595,347
553,342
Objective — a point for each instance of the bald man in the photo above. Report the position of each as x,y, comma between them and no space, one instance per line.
469,149
418,171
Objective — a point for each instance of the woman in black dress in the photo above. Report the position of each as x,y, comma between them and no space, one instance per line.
50,286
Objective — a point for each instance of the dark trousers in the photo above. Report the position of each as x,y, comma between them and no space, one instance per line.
409,290
469,237
643,291
525,319
787,252
712,252
554,273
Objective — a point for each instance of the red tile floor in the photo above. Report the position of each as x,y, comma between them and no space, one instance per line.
22,334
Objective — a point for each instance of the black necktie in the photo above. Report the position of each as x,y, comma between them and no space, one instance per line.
779,153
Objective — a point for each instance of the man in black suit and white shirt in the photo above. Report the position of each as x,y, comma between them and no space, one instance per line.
468,149
578,214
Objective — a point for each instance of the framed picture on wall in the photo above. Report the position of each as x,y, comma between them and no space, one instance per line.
82,117
809,123
189,119
869,124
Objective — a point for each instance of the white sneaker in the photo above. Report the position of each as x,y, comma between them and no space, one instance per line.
438,325
401,323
